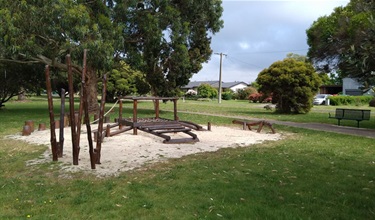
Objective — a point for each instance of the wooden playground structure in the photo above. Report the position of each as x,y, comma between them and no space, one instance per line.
160,127
157,126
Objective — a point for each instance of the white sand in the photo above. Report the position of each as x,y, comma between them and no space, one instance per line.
127,151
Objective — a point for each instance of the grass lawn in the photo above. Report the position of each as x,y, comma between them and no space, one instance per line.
307,175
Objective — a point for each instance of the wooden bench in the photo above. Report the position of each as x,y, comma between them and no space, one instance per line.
351,114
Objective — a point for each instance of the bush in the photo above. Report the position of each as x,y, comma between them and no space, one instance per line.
243,94
350,100
207,91
255,97
372,103
259,97
227,95
292,84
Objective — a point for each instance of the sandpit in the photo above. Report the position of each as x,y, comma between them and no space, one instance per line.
126,151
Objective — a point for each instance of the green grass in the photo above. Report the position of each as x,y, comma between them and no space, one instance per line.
307,175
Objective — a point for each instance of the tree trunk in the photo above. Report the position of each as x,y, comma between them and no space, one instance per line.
21,95
92,90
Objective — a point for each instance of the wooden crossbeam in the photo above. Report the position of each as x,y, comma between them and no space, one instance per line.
260,125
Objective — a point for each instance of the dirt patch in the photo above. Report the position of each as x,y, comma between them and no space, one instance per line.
126,151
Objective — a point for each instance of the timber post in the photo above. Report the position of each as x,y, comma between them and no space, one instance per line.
51,115
62,124
100,124
75,147
86,111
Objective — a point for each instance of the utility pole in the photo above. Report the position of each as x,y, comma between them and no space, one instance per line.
220,73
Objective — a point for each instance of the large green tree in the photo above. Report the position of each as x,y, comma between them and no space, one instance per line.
169,40
291,83
343,42
44,32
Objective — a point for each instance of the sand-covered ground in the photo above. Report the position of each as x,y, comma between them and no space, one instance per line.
127,151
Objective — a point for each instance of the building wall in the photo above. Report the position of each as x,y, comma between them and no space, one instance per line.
350,84
239,86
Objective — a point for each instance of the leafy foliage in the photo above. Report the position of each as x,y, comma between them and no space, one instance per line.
14,79
227,95
292,84
243,94
125,81
343,41
372,102
350,100
166,40
259,97
169,40
207,91
44,32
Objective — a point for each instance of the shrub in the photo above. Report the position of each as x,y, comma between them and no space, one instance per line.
243,94
207,91
350,100
255,97
293,84
227,95
259,97
372,102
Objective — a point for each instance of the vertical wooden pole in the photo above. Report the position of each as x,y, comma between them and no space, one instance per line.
135,106
100,125
157,108
51,115
79,117
86,111
62,124
175,109
120,115
75,147
108,131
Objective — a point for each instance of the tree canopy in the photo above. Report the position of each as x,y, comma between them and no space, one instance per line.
343,42
44,32
291,83
167,40
124,81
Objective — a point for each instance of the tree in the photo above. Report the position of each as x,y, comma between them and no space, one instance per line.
343,42
297,57
169,40
125,81
44,32
292,84
13,77
207,91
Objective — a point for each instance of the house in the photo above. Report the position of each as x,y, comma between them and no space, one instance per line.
330,89
351,86
234,86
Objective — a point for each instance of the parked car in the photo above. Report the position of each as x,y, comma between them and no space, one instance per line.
320,99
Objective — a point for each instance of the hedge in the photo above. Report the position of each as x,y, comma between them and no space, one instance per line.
350,100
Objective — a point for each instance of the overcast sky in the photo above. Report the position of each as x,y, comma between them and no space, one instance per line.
259,33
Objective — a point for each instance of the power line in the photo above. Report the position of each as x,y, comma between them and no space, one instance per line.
275,51
244,62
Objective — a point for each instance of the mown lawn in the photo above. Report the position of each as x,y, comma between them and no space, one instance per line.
307,175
